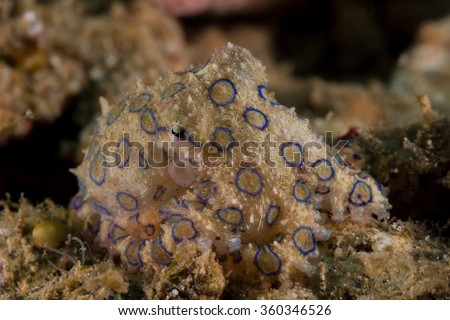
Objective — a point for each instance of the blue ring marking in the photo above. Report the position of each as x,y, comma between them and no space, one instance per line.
94,228
197,69
157,244
329,166
112,233
206,184
165,94
126,152
120,199
138,255
191,225
175,202
363,175
253,171
140,102
116,111
148,113
313,240
77,201
193,205
269,218
270,252
284,145
262,93
82,188
217,144
100,209
379,186
98,180
298,198
91,153
360,201
236,212
246,119
172,218
211,88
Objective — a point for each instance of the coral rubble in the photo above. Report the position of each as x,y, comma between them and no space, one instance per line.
53,51
36,78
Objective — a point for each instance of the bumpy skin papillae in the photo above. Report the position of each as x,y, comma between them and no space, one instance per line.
257,202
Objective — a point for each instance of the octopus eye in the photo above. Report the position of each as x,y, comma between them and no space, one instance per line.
179,132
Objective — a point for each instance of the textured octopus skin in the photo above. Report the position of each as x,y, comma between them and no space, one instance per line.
261,207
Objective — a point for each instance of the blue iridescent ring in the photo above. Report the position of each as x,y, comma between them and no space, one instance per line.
252,189
116,111
261,261
309,233
206,189
116,233
97,171
188,227
137,262
231,216
306,193
361,194
148,122
324,176
140,102
163,256
126,201
262,90
256,118
228,98
295,145
229,137
272,214
172,90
